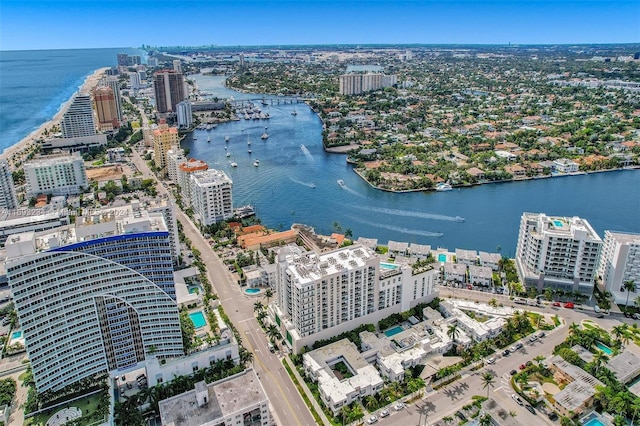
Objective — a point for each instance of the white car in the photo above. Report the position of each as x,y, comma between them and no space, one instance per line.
399,406
384,413
491,360
517,399
371,420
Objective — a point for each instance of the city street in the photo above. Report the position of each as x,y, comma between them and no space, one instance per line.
287,405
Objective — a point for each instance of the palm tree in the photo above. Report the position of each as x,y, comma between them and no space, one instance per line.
273,332
371,403
258,306
268,294
635,406
262,315
574,328
487,382
493,302
620,333
629,287
599,358
447,420
453,332
485,420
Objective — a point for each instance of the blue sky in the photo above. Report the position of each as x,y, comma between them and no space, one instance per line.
27,24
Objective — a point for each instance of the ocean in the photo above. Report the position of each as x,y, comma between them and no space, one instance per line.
35,83
297,182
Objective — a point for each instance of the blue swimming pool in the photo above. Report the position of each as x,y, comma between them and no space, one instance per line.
442,257
604,348
388,266
557,224
198,319
393,331
252,291
594,422
16,334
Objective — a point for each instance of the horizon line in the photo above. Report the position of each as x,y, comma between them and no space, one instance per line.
352,45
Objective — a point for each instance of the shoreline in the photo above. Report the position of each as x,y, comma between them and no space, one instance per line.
469,185
20,147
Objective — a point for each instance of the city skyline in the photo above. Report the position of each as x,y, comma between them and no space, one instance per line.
233,23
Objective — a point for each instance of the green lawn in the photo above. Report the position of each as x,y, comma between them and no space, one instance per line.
87,405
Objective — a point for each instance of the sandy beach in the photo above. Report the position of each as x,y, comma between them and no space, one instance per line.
14,153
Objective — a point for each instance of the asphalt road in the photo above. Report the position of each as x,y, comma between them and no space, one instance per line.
287,405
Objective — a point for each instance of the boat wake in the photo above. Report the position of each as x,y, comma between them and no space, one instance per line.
398,228
408,213
306,152
299,182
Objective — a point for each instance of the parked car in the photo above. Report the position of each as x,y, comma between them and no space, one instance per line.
513,372
556,304
636,316
522,367
552,416
513,349
531,409
491,360
519,345
384,413
461,415
372,420
506,352
517,399
533,338
569,305
541,334
399,406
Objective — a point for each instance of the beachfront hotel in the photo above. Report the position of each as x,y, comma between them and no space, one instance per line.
78,120
211,196
56,176
620,262
169,89
8,199
94,297
320,295
557,252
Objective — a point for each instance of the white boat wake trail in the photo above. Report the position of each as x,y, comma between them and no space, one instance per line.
306,152
398,228
408,213
299,182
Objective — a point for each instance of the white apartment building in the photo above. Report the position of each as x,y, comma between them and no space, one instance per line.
8,198
356,83
557,252
324,294
336,391
78,120
492,260
35,220
211,196
480,275
620,262
175,157
185,116
56,176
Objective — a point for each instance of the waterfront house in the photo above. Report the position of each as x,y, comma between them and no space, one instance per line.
516,170
398,248
564,165
466,257
476,173
419,251
491,260
455,272
480,275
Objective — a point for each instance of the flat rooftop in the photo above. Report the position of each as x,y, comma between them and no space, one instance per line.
234,394
309,266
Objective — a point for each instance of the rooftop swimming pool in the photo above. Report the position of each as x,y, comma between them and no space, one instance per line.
557,224
16,334
198,319
393,331
442,257
604,348
388,266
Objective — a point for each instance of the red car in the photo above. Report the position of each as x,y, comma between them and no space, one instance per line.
522,366
556,304
568,305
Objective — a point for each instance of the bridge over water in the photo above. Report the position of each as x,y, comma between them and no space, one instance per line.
280,100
